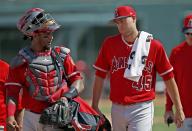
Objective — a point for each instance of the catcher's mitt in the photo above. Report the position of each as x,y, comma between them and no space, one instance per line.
60,114
106,126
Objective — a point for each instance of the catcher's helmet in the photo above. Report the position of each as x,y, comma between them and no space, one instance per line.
36,19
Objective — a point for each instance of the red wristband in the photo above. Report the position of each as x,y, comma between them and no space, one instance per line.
11,108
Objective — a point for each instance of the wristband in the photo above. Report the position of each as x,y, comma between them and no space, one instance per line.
11,109
72,93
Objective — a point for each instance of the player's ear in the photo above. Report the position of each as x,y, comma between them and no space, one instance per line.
134,18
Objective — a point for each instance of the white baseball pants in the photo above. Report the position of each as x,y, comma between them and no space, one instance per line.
136,117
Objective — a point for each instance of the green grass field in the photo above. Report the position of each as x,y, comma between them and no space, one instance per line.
158,125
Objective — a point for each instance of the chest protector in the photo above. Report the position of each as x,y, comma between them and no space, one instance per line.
44,73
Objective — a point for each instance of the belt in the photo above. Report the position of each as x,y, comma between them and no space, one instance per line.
1,128
124,104
32,111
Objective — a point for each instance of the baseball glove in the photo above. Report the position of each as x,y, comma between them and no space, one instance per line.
59,114
106,126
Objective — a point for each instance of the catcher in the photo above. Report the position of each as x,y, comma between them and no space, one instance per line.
48,77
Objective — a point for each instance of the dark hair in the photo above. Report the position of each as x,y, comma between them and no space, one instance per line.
25,37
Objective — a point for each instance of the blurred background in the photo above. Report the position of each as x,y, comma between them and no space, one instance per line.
85,23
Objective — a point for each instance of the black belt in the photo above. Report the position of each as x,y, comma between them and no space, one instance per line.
32,111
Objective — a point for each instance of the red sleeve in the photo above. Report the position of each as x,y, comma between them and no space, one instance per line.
2,104
4,68
101,65
13,85
3,71
71,70
163,66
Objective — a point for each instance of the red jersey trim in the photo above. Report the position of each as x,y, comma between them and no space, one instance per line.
12,84
166,72
100,69
72,74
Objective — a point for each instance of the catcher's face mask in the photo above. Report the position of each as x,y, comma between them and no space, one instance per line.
36,19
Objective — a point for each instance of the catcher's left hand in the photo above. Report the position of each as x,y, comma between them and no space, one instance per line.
59,114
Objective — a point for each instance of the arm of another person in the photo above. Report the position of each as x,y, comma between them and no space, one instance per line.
173,92
13,88
97,91
11,110
19,114
19,118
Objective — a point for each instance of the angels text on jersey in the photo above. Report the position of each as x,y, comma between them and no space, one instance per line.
145,80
